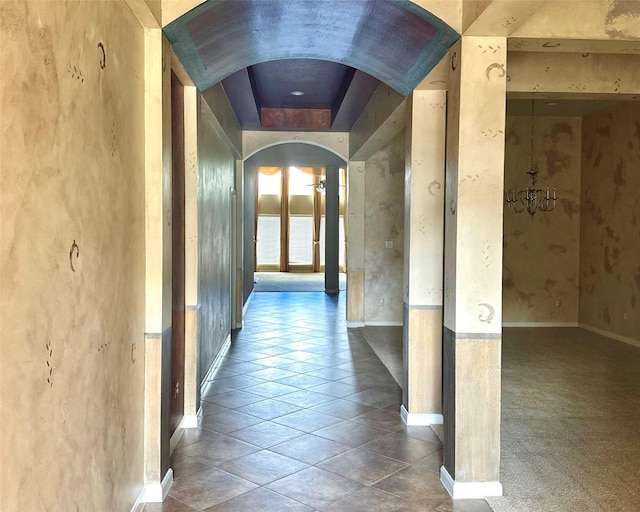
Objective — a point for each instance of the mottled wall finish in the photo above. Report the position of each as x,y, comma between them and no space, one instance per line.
216,177
249,228
574,73
384,221
541,255
610,230
71,340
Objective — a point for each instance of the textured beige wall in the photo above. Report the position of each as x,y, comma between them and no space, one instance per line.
571,74
474,186
215,178
582,19
541,255
384,221
254,141
610,231
424,197
72,168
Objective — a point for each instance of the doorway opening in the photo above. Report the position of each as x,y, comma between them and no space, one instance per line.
290,219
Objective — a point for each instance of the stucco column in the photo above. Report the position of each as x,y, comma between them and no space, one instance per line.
191,281
355,243
237,322
423,257
473,267
332,233
158,298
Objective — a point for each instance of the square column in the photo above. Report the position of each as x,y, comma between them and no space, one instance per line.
423,257
473,267
158,277
332,230
355,244
191,384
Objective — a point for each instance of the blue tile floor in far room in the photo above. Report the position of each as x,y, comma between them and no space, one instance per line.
302,416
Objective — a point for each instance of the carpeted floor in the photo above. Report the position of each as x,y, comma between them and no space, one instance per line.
570,419
293,282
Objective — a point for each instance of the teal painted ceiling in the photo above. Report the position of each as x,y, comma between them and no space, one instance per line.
395,41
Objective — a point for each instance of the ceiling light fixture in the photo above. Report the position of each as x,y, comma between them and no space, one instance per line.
531,199
297,93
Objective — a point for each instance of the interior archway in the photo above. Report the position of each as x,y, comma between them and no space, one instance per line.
284,156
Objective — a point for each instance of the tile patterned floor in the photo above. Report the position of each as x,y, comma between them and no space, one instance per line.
302,416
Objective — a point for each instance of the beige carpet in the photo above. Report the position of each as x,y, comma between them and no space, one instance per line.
570,419
293,282
570,423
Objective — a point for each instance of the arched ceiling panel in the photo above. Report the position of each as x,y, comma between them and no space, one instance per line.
297,154
395,41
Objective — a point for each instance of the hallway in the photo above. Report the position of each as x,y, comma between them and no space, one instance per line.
300,416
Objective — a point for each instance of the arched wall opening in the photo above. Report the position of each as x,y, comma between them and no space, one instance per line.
299,154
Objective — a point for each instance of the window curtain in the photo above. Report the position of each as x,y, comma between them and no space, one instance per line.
317,216
284,221
267,171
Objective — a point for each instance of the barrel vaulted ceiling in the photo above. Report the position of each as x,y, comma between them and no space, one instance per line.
334,52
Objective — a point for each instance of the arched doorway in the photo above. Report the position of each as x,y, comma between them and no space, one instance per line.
299,218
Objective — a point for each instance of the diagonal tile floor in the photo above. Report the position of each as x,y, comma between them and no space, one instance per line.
302,416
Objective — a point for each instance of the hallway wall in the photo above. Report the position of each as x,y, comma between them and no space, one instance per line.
384,221
610,234
216,177
541,255
72,316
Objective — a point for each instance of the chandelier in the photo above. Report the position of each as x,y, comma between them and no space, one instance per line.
531,199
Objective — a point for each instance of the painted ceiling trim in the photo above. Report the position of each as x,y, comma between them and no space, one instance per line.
235,35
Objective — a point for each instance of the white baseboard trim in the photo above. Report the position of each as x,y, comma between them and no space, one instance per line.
191,421
138,505
419,419
216,362
157,492
540,324
384,324
469,490
176,436
246,304
611,335
185,422
354,325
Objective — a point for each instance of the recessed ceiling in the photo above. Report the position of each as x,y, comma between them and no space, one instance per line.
334,51
317,80
303,93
